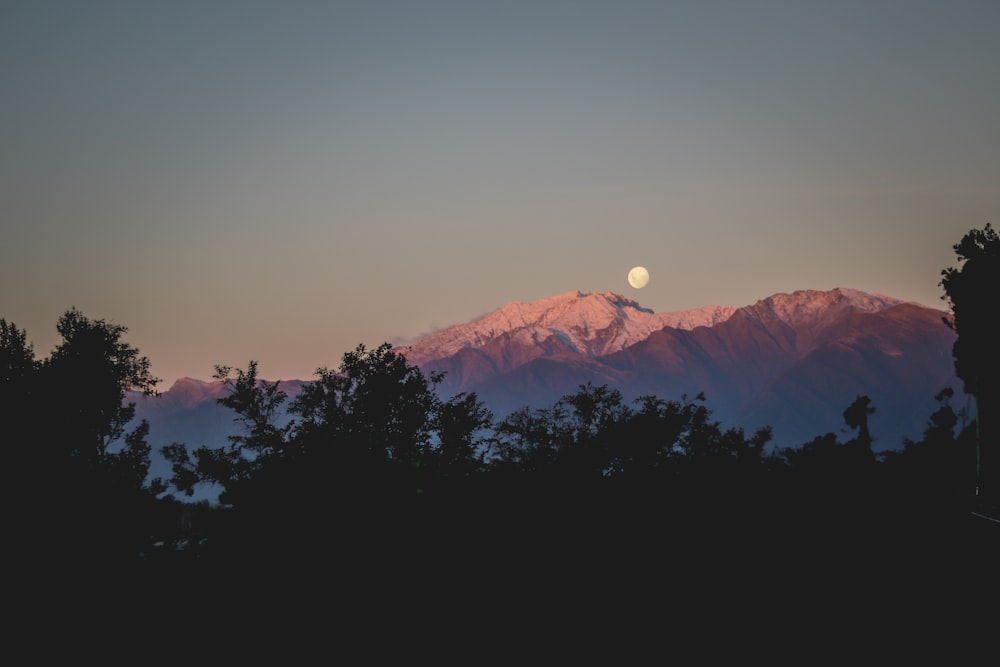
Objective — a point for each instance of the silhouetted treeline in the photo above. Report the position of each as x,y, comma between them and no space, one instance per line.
971,292
373,452
373,465
376,480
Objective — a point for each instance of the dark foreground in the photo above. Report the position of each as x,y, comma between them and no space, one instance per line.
581,577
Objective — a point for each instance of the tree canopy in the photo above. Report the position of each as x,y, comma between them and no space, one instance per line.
368,472
971,291
76,461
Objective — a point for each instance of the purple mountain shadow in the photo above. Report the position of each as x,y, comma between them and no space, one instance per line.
792,361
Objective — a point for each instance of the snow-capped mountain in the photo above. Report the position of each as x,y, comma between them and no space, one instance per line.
795,361
792,361
583,322
568,326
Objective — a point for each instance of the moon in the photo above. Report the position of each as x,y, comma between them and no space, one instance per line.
638,277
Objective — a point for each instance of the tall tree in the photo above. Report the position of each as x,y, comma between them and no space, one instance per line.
856,417
460,422
258,404
936,467
17,370
83,472
85,383
971,292
372,428
17,355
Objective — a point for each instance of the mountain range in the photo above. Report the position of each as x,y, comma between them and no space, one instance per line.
791,361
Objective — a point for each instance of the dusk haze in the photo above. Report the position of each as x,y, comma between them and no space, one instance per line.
285,181
405,330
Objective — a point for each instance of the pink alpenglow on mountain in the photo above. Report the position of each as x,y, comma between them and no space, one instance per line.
790,361
579,322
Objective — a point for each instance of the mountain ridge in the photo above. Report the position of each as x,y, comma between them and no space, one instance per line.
792,361
575,318
732,355
786,306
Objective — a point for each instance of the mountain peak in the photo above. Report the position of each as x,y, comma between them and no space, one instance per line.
808,305
183,382
588,323
618,300
792,360
594,324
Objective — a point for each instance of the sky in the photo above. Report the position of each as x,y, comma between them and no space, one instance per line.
284,181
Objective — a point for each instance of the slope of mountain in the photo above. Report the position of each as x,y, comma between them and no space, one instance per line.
767,366
790,361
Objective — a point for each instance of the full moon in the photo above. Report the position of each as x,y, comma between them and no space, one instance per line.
638,277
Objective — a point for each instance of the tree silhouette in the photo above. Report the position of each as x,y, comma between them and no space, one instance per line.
856,417
461,423
17,359
971,291
17,378
349,457
260,447
84,471
592,447
937,470
367,478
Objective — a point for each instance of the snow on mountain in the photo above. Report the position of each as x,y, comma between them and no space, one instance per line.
813,307
792,360
586,323
707,316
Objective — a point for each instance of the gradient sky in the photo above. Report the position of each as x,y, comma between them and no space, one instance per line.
281,181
